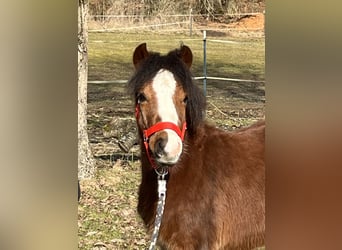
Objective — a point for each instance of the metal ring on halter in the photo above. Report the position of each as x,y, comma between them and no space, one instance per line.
161,171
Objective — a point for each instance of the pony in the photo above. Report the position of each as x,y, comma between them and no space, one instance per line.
215,179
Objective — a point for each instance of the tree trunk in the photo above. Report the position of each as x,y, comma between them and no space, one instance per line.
86,162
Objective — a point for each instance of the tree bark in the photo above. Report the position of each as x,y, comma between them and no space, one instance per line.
86,162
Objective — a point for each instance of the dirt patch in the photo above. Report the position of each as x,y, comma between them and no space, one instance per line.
256,22
247,26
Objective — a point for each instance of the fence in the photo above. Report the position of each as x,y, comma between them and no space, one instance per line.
188,23
205,75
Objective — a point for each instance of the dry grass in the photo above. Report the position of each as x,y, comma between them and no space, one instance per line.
107,216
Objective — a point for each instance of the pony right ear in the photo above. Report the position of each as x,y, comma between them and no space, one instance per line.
186,55
140,53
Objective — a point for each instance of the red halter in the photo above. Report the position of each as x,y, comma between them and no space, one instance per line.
147,133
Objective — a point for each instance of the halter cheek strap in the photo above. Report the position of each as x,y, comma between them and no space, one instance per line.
147,133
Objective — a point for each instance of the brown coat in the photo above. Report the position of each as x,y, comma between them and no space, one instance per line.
215,193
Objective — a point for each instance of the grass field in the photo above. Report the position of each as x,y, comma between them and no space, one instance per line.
107,216
110,54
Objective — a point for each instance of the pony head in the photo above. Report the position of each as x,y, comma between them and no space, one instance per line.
167,101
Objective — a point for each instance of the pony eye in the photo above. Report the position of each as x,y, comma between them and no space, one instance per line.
141,98
185,100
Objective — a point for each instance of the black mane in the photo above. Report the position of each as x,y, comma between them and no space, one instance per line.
173,63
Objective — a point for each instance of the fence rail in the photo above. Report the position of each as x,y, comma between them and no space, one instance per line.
177,15
137,27
195,78
185,22
205,76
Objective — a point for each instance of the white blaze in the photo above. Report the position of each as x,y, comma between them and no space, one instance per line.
164,85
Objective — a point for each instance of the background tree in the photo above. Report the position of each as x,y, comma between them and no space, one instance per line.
209,9
86,163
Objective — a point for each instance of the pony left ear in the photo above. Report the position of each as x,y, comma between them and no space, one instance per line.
186,55
140,53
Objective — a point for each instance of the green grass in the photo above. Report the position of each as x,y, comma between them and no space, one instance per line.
110,54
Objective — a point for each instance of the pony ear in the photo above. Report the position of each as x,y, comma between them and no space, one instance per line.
140,53
186,55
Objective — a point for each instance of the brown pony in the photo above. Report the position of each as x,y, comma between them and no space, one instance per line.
216,179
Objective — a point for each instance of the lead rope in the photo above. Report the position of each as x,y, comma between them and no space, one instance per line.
160,206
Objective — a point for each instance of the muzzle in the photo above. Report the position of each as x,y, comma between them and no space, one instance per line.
147,133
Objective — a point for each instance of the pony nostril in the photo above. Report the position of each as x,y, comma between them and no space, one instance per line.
159,147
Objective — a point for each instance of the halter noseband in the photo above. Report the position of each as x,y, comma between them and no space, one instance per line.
147,133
